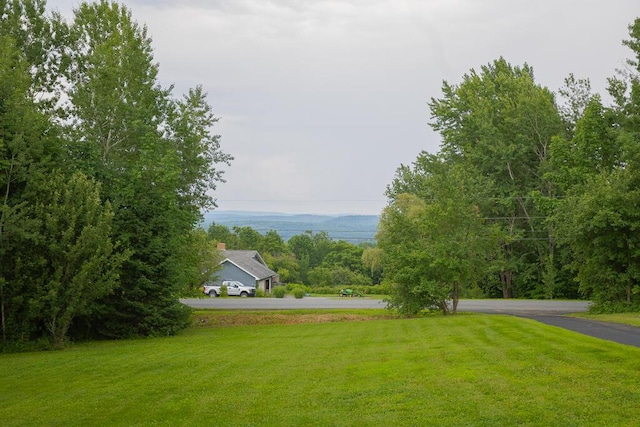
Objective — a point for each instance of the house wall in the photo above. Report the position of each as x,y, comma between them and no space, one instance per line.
231,272
265,284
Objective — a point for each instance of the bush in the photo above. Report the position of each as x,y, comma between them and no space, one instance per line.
382,289
327,290
337,276
609,307
473,293
279,291
365,290
299,293
293,286
223,291
260,293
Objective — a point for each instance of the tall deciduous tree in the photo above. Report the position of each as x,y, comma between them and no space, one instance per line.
434,239
594,148
301,245
499,123
346,255
600,169
248,238
198,151
372,259
40,37
600,224
576,94
155,157
93,81
273,244
310,249
222,234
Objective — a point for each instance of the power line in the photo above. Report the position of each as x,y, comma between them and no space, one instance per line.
301,200
369,200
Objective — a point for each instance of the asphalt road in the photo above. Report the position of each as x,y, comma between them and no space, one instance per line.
545,311
505,306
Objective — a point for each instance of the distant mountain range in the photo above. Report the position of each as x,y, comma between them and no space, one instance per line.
351,228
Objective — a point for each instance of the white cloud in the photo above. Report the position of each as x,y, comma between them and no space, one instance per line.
324,99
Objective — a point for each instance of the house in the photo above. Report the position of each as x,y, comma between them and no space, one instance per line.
246,267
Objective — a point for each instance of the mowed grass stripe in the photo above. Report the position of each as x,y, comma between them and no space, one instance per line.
460,370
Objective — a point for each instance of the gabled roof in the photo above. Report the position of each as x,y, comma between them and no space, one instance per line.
250,262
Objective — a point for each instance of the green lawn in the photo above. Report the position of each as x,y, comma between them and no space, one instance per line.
632,319
466,370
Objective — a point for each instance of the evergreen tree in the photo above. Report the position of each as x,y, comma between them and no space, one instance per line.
29,148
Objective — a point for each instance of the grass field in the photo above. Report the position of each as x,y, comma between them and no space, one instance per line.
632,319
466,370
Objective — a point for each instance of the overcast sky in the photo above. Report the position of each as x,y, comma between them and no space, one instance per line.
322,100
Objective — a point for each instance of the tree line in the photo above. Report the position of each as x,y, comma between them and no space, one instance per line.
104,174
312,259
533,194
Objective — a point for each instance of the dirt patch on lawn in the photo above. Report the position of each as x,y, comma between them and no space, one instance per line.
238,319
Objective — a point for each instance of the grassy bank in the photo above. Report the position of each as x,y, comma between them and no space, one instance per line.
632,319
475,370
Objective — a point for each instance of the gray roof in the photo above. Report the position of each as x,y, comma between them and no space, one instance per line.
249,261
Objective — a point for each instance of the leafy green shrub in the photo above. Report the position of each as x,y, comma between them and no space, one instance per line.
299,293
608,307
474,292
382,289
321,276
223,291
327,290
337,276
260,293
291,288
279,291
365,290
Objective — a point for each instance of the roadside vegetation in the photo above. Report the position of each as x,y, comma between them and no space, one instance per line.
441,370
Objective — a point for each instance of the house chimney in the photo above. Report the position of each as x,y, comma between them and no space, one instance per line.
222,246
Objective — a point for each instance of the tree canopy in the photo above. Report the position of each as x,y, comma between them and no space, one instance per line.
550,207
434,240
103,171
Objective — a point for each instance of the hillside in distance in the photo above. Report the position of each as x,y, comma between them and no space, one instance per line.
355,229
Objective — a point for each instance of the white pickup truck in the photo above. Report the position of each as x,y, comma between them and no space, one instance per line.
234,288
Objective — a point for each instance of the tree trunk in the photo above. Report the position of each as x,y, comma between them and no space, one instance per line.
4,328
444,306
505,279
455,297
